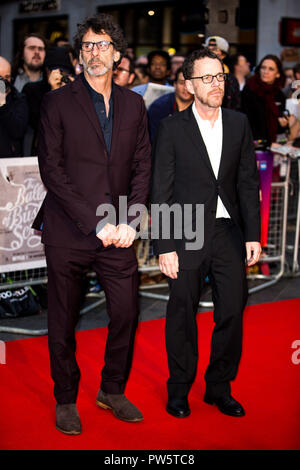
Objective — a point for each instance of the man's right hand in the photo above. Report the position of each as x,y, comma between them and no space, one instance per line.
169,264
107,234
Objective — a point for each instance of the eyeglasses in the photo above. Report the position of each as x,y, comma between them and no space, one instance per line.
221,77
101,45
121,70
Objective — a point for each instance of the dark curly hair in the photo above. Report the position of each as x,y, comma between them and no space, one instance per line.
98,24
160,53
188,64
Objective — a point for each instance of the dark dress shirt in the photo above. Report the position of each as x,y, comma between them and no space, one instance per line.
106,122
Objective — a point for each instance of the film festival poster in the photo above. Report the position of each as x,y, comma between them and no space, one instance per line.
21,195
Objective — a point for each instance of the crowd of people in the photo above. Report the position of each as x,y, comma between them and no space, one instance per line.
264,93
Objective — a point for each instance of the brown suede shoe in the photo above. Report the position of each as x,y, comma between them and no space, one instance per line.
121,407
67,419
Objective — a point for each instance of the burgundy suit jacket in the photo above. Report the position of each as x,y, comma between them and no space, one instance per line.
76,168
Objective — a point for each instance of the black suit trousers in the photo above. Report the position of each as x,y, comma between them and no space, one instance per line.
224,262
117,273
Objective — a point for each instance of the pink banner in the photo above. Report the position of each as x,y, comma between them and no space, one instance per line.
265,166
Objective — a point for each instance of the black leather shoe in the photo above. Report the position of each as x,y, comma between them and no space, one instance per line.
227,405
178,407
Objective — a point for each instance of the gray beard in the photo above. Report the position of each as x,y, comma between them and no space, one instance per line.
90,71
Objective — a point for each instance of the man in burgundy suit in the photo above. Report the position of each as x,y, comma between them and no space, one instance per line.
93,147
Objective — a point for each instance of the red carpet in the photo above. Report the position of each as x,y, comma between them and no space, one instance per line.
267,385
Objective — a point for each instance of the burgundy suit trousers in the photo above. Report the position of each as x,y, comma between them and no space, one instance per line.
118,275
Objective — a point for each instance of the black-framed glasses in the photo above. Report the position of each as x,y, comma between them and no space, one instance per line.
88,46
221,77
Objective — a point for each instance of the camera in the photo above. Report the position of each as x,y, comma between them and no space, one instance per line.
65,77
286,114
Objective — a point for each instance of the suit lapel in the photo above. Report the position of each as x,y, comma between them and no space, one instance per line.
226,141
116,118
83,98
193,131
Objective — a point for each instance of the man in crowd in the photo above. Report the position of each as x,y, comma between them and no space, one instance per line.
291,86
58,72
232,94
158,70
93,147
240,68
220,47
176,63
13,114
29,61
205,156
169,104
124,72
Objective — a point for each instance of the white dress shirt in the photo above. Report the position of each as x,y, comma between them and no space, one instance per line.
213,140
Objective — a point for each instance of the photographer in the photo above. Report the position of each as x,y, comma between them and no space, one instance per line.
59,72
13,114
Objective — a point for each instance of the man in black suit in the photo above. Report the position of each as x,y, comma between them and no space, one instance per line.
205,156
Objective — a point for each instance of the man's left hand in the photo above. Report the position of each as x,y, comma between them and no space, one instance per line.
124,236
253,250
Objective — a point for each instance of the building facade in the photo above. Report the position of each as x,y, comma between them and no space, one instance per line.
251,28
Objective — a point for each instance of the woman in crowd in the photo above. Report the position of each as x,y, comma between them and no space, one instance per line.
263,100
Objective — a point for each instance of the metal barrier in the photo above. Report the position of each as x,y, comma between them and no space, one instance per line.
273,257
275,251
274,254
294,214
33,278
295,267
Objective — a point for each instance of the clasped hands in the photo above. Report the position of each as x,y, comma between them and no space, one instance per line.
122,236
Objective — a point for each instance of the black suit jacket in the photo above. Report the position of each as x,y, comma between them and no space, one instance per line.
183,175
76,168
13,123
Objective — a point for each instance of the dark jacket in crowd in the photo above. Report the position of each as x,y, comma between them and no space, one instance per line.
232,94
13,123
34,93
263,105
56,58
159,109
